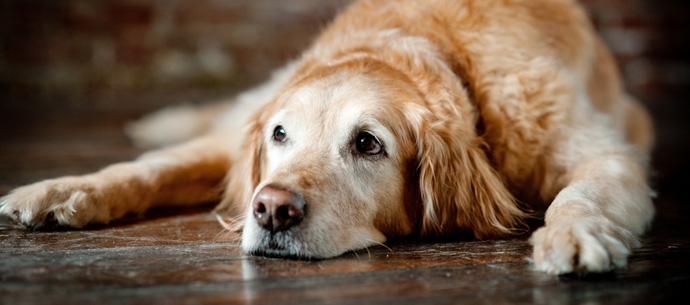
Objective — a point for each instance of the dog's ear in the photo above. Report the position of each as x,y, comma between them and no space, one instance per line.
461,192
244,175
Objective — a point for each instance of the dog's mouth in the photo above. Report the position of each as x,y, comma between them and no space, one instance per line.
280,244
307,241
280,253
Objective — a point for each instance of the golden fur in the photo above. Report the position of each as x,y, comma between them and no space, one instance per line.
487,110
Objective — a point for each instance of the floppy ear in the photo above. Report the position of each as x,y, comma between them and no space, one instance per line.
243,177
461,192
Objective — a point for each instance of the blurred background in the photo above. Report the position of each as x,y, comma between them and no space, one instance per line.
103,62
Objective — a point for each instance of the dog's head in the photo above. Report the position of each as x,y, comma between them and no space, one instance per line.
356,151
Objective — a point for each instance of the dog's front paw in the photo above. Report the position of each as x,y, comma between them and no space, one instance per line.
63,202
581,245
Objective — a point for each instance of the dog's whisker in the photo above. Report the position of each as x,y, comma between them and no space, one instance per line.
381,244
221,232
231,224
236,208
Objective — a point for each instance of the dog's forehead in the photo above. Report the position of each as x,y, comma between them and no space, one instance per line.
336,102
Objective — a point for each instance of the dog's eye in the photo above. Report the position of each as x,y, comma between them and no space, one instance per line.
279,134
368,144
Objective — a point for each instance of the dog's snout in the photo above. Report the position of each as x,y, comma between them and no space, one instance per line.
277,209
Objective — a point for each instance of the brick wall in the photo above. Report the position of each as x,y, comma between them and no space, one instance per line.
73,49
650,41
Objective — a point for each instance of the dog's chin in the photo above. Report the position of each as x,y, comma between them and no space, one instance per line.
297,244
284,253
284,244
278,244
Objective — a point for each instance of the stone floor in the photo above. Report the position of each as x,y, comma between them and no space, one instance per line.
184,256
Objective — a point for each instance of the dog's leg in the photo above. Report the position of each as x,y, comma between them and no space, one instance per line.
186,174
594,221
175,124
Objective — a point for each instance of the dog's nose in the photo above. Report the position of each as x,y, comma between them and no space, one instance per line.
277,209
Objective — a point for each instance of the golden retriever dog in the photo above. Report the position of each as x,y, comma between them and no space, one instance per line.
436,118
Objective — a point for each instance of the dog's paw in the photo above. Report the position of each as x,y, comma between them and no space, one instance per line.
167,126
581,245
63,202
